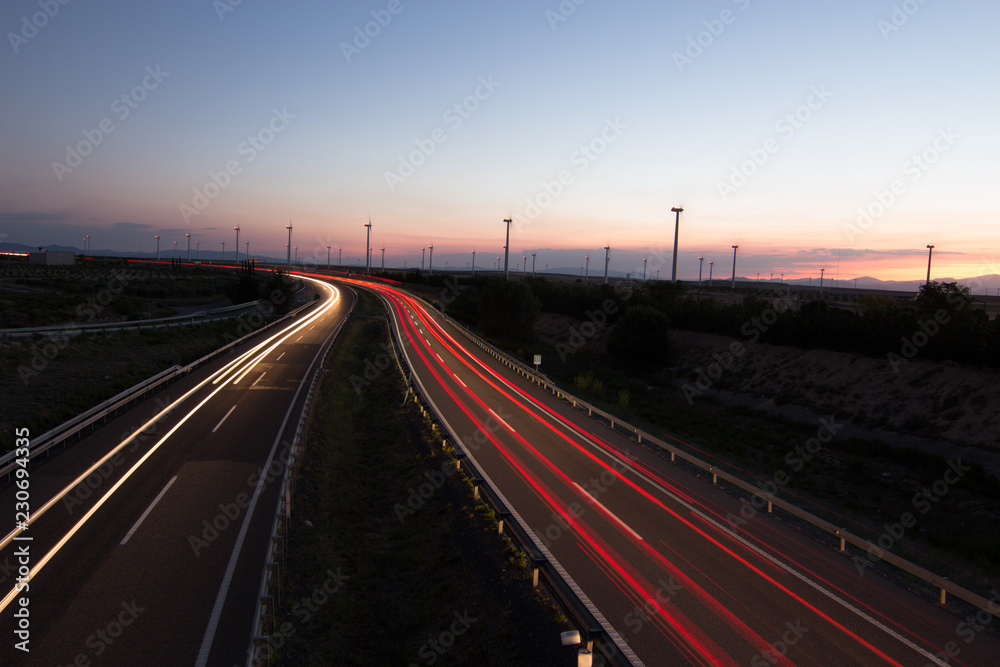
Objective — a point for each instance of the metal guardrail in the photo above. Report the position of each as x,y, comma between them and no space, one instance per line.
569,594
127,325
62,433
943,585
268,598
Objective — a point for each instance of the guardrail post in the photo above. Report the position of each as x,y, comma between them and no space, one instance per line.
715,478
503,515
843,542
537,566
475,488
943,595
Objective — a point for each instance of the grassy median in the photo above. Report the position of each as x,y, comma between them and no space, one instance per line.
378,573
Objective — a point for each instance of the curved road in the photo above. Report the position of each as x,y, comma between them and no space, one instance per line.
649,543
156,557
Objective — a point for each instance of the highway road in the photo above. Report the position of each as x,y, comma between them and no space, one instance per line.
649,543
148,549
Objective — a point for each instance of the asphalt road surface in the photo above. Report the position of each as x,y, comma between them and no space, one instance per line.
149,549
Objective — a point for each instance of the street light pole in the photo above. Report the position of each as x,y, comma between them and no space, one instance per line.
587,271
423,255
607,259
289,228
930,250
383,258
821,271
430,260
506,250
197,249
735,247
710,273
473,262
532,265
237,228
677,224
328,257
701,261
157,247
643,269
189,246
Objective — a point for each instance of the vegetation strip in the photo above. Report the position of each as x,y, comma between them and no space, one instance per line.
389,561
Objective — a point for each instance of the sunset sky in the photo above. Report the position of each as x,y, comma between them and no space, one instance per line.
773,124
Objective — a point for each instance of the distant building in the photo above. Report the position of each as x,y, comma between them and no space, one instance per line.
51,257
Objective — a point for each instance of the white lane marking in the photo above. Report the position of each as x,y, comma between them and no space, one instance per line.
223,419
500,419
779,563
280,356
460,381
609,512
258,379
149,509
439,357
299,338
227,578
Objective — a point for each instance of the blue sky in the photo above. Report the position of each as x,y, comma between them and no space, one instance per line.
773,124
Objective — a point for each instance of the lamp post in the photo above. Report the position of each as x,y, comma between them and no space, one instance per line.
328,257
643,269
524,265
607,259
223,251
340,256
289,228
423,254
930,250
532,265
430,260
175,249
710,273
700,262
677,224
197,249
237,229
735,248
821,271
383,258
473,262
506,251
189,246
586,273
157,247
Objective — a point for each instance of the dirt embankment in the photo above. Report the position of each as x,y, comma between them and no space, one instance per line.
939,406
